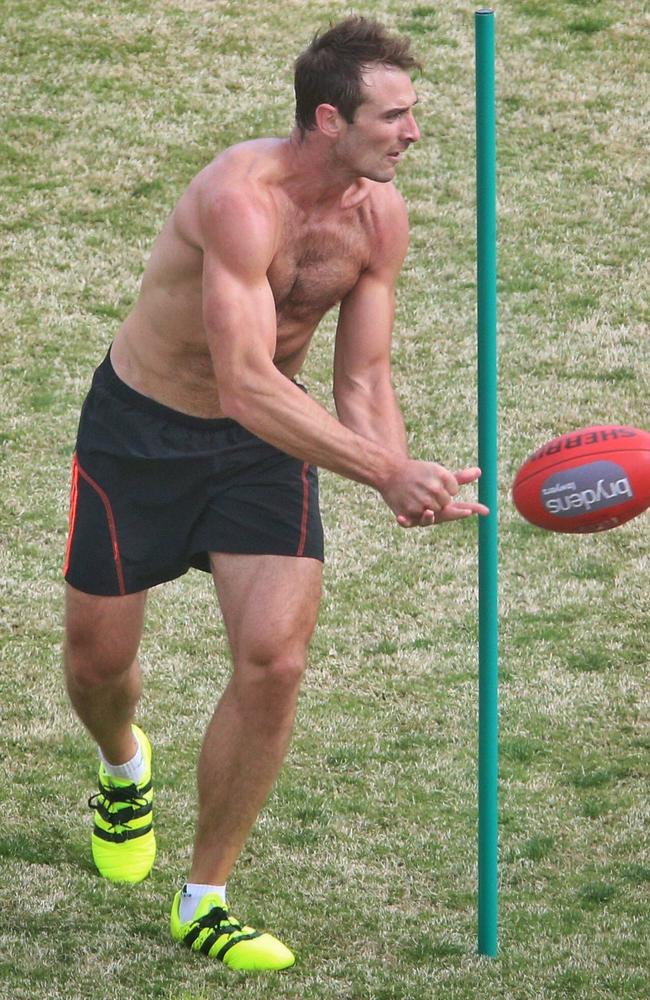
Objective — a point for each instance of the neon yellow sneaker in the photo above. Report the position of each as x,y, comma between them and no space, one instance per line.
123,841
215,933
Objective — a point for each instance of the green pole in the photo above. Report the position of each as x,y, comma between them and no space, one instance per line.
487,454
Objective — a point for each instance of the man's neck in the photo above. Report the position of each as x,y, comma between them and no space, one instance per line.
314,181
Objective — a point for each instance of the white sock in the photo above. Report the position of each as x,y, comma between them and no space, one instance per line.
192,894
133,770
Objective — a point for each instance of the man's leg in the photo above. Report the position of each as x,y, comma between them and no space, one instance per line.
270,605
102,635
104,684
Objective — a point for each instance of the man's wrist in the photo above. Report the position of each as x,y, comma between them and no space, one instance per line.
387,465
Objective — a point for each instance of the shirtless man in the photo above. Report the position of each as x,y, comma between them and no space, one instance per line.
197,447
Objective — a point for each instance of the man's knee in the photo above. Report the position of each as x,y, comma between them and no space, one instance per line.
273,669
102,636
98,647
90,661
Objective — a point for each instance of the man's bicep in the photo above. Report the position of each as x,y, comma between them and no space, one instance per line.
367,314
238,304
235,300
363,389
364,330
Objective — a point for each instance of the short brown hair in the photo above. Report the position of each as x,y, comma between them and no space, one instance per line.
330,70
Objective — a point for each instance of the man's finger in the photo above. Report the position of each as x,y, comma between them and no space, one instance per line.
454,511
466,476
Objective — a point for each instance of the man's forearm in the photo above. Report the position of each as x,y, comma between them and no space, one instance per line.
283,415
376,416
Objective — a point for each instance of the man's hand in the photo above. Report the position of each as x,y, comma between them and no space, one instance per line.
422,493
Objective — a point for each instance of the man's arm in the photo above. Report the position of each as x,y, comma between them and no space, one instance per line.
363,389
239,243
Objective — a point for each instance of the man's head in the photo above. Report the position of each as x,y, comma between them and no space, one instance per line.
331,70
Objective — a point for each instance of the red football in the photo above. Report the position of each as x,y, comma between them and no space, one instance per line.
589,480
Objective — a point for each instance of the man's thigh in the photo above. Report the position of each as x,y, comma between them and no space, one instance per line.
102,632
268,602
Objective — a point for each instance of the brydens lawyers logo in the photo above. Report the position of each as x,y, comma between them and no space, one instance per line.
595,486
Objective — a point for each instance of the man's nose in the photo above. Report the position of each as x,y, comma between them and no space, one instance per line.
411,130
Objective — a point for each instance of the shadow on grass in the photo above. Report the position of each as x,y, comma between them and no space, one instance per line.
46,847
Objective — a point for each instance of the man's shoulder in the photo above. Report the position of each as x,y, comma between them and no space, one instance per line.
386,205
387,220
240,165
229,202
389,196
237,177
388,208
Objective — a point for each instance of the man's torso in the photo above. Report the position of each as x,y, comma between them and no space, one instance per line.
162,350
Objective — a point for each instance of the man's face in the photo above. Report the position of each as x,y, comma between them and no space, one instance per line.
383,127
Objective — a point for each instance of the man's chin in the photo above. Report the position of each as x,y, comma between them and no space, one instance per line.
382,176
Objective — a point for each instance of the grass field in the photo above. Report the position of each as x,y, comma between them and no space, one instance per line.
365,859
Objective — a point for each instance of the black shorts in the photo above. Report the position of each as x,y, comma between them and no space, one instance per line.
155,490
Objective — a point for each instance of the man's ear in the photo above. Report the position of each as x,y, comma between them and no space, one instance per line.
328,120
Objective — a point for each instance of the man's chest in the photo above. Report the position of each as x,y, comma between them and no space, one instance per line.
318,263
